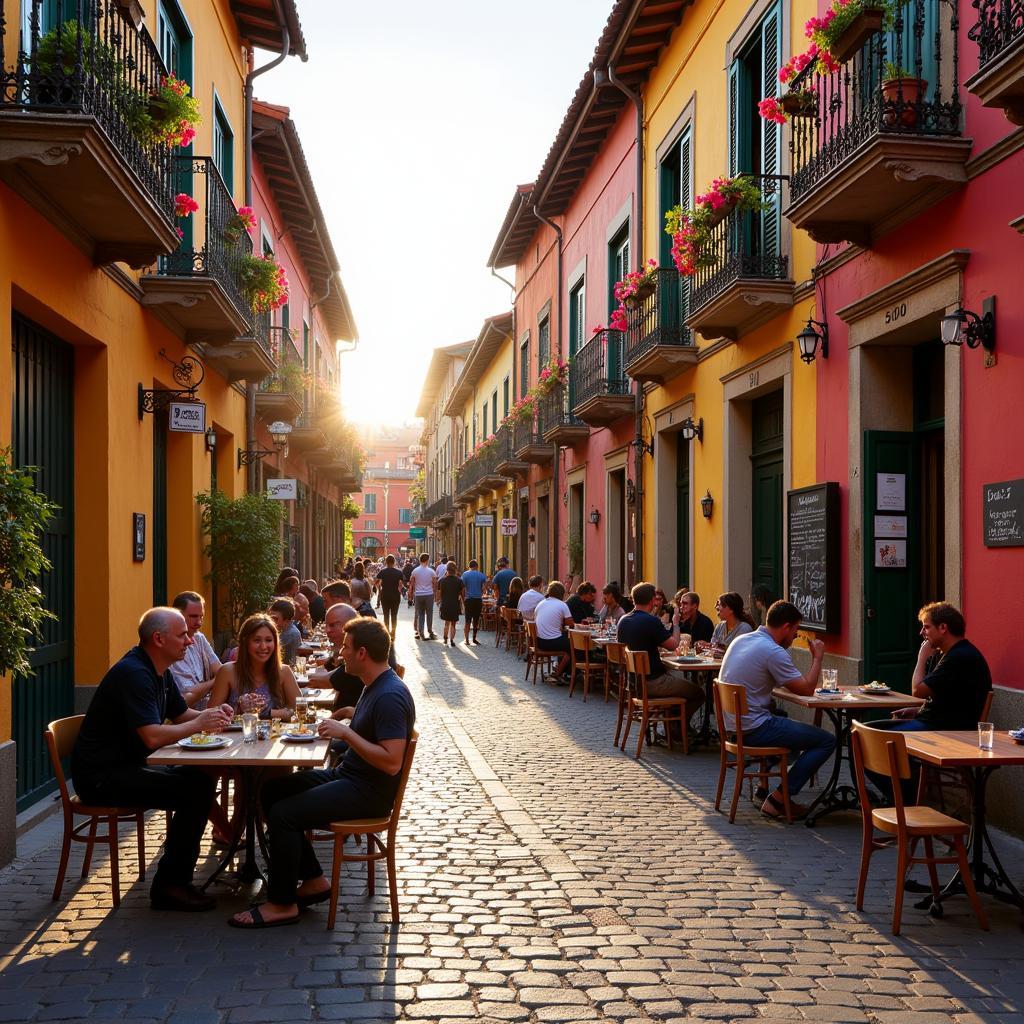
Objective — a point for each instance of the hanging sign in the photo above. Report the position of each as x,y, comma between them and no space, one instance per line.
283,490
187,417
483,519
509,527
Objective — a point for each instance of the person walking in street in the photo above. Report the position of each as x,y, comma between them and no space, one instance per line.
390,583
422,584
451,591
474,581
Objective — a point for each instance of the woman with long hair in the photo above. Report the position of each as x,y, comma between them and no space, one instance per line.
734,620
662,609
515,591
257,676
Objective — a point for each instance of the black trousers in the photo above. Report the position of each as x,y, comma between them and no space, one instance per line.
292,804
474,608
185,791
389,605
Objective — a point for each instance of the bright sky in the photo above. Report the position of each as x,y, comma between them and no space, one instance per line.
418,120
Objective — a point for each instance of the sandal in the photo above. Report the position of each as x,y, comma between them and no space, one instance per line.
773,807
258,922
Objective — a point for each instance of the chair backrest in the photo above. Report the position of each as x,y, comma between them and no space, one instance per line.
638,666
60,741
986,711
730,698
400,671
883,751
580,639
615,653
403,781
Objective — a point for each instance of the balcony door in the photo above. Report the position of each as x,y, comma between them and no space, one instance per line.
174,40
675,189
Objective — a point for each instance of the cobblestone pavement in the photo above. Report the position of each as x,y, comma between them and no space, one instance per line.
544,876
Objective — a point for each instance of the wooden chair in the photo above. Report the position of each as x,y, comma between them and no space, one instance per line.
489,617
60,740
581,647
885,752
639,707
501,625
376,848
616,655
731,698
536,658
514,631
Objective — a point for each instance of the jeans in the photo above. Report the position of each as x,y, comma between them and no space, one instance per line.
815,746
292,804
186,791
389,605
424,611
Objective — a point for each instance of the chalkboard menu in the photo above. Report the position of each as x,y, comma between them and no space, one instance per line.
1003,514
812,515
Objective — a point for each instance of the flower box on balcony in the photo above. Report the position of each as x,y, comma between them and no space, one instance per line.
864,25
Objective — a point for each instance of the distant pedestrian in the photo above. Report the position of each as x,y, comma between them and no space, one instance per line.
390,582
422,583
451,590
473,580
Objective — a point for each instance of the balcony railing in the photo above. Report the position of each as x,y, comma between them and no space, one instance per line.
596,369
999,26
557,419
92,61
858,103
999,33
218,250
289,377
439,509
659,319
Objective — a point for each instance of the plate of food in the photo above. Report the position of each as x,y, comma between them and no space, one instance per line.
688,658
1017,735
298,734
203,741
875,687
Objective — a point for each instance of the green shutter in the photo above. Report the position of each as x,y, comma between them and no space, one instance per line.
771,133
686,201
734,125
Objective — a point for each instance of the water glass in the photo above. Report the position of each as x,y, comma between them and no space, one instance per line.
300,665
986,735
830,680
301,709
685,639
249,724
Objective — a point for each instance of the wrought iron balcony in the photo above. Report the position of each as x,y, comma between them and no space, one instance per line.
467,478
419,514
249,357
508,464
440,512
198,288
73,139
872,151
561,427
600,388
659,345
743,277
307,436
528,440
280,396
999,33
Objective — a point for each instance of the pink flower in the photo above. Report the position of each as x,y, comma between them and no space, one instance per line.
184,205
771,110
181,234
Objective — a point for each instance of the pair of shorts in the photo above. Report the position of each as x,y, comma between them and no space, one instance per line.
560,644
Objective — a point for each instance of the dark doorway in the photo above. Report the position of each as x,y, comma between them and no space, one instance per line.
160,507
682,512
767,446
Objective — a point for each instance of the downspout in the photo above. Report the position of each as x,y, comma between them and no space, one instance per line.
610,78
553,504
254,73
513,504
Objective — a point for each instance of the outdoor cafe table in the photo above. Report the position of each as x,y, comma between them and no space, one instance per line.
708,669
252,759
960,750
837,796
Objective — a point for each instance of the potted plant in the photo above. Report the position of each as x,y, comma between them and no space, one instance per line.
847,25
64,51
550,377
170,115
902,94
637,285
264,282
238,224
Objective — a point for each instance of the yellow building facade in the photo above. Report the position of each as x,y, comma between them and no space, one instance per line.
734,425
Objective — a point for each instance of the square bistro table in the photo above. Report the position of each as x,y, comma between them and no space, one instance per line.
839,708
252,759
707,669
960,750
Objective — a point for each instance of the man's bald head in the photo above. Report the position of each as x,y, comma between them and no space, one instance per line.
339,614
159,620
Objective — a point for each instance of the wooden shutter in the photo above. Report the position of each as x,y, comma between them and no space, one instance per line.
734,126
771,133
686,201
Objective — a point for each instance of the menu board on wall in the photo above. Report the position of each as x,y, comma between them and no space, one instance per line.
1003,514
812,516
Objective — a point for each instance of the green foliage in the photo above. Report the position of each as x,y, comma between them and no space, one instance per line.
24,514
574,549
244,547
349,509
892,71
60,46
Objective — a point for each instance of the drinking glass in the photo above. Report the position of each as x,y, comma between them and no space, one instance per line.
249,723
301,709
684,644
300,665
986,735
830,680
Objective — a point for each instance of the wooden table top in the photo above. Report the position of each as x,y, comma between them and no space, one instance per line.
701,665
261,754
960,749
849,697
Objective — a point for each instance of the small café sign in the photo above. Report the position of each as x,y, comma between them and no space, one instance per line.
283,490
1003,514
484,519
187,417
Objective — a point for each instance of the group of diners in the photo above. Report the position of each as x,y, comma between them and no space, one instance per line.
171,686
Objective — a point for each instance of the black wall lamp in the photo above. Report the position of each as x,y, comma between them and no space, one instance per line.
279,432
594,517
707,504
963,325
644,447
211,440
692,431
808,339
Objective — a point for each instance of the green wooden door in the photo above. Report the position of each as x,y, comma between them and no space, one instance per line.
891,638
766,507
682,512
43,436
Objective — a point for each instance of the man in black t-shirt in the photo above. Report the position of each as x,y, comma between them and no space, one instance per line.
581,604
390,582
364,785
135,710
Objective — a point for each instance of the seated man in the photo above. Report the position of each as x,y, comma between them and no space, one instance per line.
136,709
282,611
642,630
692,621
553,618
760,661
194,673
581,604
362,786
531,598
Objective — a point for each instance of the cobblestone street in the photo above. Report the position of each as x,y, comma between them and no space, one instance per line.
543,876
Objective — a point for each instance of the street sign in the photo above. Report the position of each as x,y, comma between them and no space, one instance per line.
483,519
187,417
417,532
282,490
509,527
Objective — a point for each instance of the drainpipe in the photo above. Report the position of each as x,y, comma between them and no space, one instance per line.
609,78
553,504
254,73
515,359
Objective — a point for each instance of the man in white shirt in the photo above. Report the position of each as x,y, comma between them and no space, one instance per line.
553,618
423,582
529,599
194,673
441,569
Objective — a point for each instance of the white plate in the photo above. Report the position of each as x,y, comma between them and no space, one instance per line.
215,743
875,689
289,737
